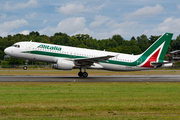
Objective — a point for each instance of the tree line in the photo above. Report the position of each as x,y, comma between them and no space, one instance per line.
115,44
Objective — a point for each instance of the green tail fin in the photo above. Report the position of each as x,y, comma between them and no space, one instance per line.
157,51
163,42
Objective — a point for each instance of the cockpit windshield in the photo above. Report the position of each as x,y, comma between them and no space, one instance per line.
15,45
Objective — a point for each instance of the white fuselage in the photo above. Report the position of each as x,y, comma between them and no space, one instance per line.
51,53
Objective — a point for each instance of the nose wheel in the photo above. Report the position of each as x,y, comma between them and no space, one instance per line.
25,67
83,74
26,63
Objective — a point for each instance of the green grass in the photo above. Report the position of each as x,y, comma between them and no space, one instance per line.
29,100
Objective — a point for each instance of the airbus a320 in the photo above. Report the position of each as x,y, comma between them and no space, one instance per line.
67,58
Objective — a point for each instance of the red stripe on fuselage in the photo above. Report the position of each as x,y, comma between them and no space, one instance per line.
153,58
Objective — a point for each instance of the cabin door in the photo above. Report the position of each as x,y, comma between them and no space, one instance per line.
28,47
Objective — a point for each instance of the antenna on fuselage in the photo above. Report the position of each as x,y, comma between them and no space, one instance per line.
30,40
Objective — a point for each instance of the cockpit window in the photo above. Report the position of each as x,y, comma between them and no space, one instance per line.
18,46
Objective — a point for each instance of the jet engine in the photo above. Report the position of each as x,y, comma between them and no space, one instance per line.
63,65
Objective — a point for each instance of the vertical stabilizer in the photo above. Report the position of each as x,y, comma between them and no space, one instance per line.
157,51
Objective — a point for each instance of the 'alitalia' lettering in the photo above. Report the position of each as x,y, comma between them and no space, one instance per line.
49,47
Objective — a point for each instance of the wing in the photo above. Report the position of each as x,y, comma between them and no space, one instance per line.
90,61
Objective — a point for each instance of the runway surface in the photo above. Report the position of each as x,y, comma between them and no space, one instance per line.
123,78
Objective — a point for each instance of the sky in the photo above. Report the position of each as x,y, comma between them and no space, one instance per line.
101,19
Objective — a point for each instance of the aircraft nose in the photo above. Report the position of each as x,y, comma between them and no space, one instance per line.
7,51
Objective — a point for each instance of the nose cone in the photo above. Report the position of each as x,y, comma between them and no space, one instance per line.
7,51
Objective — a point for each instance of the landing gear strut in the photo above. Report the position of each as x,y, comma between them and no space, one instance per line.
83,74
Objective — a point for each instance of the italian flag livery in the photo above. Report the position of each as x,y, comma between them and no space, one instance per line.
156,52
67,58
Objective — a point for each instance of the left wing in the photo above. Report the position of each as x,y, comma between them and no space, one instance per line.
90,61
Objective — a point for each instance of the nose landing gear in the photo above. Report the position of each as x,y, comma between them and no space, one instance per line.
83,74
25,67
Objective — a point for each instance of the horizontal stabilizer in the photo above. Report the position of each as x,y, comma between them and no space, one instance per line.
160,64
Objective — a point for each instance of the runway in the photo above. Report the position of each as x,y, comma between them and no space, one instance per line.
123,78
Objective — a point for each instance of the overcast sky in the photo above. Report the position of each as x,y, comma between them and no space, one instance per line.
98,18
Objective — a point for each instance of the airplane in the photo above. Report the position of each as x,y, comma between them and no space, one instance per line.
68,58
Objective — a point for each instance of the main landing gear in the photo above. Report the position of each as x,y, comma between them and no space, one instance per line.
83,74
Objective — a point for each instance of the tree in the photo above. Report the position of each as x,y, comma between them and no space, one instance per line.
119,48
15,61
152,39
60,39
135,50
92,43
34,33
118,39
133,39
176,43
1,55
82,46
73,41
126,49
111,43
143,42
60,34
5,64
112,50
102,44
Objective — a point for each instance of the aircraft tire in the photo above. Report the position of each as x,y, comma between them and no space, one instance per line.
25,67
80,74
85,75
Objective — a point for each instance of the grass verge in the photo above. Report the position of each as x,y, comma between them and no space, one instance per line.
23,100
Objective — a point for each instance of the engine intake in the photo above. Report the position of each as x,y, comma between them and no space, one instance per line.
63,65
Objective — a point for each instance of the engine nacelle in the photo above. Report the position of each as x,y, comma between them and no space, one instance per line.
63,65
